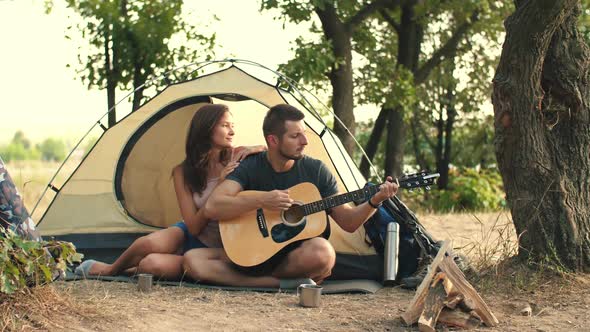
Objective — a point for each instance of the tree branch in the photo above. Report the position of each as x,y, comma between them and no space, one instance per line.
367,10
389,20
446,51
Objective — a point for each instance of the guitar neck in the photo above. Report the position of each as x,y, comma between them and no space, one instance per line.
330,202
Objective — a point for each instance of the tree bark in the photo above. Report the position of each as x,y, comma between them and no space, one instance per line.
111,81
373,142
339,34
542,127
445,161
410,41
395,135
341,74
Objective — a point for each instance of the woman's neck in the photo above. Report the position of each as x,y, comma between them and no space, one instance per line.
214,159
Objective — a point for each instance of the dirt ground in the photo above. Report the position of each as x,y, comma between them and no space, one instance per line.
557,304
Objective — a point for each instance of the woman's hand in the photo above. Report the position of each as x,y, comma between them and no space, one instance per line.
227,170
240,153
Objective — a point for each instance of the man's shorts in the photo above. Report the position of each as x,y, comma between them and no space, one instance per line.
190,242
271,264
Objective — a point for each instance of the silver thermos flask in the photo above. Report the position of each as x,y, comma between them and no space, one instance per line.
391,250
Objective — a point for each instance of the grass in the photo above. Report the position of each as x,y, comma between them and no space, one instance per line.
31,178
39,308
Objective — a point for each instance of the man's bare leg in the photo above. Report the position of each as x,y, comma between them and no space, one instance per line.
162,266
213,265
314,259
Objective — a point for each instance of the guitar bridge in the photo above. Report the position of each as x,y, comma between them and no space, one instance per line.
261,221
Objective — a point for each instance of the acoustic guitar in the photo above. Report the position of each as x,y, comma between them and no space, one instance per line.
253,238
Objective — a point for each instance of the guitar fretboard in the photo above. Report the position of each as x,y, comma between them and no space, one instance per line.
330,202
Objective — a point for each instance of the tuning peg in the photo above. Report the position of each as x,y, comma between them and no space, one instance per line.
427,188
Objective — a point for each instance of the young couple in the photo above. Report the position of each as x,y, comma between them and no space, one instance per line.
208,184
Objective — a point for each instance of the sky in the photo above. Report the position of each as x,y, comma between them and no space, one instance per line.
42,97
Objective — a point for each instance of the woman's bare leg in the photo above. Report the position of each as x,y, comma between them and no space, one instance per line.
165,241
213,265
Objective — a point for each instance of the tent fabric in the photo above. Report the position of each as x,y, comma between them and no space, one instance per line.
123,187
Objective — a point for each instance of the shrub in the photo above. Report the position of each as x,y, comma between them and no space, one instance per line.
52,149
26,263
469,190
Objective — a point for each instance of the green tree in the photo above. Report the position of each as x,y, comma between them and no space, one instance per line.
418,37
19,148
52,149
399,44
541,104
331,57
131,40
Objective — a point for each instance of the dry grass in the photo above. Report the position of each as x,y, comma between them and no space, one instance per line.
41,308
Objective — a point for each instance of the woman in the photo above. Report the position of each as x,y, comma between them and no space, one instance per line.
210,157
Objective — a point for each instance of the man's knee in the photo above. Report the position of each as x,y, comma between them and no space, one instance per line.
320,253
190,264
152,264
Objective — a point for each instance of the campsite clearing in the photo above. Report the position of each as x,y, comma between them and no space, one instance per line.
557,304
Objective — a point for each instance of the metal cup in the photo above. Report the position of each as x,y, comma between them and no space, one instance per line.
309,295
144,282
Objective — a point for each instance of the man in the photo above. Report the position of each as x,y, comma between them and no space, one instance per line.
270,174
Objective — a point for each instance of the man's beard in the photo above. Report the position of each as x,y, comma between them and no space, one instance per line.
290,157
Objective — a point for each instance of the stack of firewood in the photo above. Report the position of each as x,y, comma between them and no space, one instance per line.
446,297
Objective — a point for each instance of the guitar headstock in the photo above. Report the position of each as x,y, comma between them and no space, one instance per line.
417,180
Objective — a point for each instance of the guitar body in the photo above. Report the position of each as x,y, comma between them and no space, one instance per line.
255,237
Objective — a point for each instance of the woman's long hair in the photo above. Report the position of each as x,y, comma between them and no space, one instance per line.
195,167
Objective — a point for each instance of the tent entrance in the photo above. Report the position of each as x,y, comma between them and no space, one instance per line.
143,180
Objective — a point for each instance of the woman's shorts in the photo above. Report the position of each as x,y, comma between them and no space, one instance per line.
190,242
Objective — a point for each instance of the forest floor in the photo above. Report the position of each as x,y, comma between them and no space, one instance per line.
558,302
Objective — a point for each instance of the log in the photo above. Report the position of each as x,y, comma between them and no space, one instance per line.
454,274
416,306
433,304
458,318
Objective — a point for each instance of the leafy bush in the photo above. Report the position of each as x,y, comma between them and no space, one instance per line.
26,263
469,190
52,149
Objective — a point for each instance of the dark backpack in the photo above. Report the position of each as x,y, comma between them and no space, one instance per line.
414,242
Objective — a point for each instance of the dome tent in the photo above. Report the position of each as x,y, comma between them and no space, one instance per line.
123,188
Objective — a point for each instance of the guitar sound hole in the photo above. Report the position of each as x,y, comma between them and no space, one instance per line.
294,215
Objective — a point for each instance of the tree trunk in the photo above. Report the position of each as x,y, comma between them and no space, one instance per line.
373,142
443,168
111,81
340,75
415,129
138,80
395,134
542,127
410,41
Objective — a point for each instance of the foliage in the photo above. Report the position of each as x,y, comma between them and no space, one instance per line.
20,148
133,40
52,149
26,263
584,22
469,190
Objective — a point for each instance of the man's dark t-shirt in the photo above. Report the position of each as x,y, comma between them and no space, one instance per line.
256,173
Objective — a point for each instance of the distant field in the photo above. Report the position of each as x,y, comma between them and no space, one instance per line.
31,178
